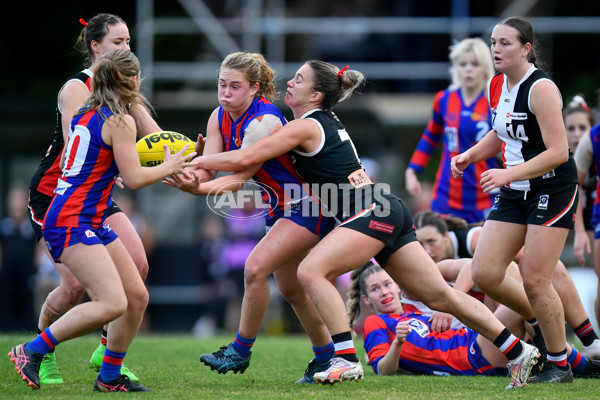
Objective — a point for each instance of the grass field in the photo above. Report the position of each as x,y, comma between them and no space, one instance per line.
169,365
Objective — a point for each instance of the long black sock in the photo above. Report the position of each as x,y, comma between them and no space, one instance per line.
509,344
586,333
344,347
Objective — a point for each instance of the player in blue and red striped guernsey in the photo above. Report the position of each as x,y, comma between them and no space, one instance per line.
100,147
460,118
397,340
246,114
100,33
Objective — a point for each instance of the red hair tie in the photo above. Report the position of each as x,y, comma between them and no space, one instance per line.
82,21
341,73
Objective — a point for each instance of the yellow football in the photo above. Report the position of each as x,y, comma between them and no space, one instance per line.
151,150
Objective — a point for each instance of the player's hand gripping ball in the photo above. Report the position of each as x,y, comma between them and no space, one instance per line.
151,150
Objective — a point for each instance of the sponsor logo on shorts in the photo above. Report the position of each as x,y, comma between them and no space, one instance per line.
550,174
543,203
496,203
48,244
382,227
89,233
107,227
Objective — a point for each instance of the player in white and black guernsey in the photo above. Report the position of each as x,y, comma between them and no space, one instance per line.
517,126
374,223
538,198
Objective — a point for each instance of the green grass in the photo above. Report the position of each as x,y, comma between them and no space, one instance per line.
169,365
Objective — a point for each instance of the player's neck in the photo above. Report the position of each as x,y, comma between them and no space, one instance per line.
470,94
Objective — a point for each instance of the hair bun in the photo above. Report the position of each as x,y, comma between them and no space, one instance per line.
579,101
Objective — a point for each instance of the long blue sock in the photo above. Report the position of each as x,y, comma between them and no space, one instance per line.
111,365
578,361
44,343
243,345
324,353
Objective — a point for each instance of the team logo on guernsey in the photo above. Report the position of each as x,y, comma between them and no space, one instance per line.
543,203
254,200
419,327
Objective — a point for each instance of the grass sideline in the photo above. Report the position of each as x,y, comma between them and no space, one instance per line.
169,365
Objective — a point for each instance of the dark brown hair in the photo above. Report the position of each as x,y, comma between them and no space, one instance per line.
96,29
335,89
524,35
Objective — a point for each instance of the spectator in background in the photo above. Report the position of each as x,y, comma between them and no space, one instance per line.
460,119
213,273
17,267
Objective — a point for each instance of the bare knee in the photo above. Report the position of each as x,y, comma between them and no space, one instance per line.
293,294
535,288
439,301
254,272
486,281
305,275
65,296
113,308
141,263
70,288
138,300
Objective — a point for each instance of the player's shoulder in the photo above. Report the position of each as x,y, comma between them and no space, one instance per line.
442,94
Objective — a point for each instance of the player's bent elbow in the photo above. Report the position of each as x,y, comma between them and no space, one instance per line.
245,163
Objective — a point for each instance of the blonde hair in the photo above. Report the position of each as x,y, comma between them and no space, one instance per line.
334,88
255,69
482,53
112,85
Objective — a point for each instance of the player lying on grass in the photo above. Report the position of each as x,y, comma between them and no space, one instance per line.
448,238
397,340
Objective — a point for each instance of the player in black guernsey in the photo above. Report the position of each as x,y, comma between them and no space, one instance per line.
374,223
538,187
